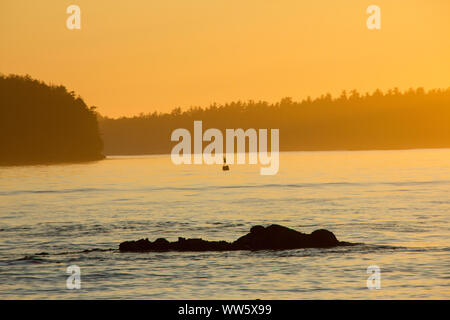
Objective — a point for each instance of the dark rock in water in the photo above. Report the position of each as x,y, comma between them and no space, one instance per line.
274,237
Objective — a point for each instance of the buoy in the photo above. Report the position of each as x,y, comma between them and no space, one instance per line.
225,167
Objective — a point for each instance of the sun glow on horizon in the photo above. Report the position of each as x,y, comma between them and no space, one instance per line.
157,55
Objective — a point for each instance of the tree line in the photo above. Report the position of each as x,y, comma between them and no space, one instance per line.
41,123
353,121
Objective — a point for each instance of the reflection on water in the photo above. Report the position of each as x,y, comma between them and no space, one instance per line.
396,203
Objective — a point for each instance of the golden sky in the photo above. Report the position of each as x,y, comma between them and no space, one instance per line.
147,55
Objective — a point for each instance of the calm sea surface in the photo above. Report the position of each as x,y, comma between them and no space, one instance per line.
396,203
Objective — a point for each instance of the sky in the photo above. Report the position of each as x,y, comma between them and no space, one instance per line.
141,56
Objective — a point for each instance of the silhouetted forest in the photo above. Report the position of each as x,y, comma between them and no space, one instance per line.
353,121
42,123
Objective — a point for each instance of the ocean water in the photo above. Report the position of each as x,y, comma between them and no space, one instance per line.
396,204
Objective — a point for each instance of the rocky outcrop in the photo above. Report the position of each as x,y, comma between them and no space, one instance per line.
274,237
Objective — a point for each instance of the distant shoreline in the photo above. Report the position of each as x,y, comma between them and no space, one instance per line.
293,150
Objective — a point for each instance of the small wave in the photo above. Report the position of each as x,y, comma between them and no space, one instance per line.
73,252
258,186
354,248
26,259
295,185
416,183
16,229
19,192
225,187
46,257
